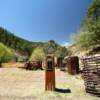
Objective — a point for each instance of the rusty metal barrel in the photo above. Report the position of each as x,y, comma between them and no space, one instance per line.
73,65
91,74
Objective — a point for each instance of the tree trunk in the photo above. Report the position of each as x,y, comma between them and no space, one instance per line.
0,65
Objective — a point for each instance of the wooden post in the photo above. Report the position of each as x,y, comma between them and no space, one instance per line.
0,64
50,74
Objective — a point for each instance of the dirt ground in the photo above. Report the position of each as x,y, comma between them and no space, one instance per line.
19,84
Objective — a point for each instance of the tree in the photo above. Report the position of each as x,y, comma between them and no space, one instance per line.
38,54
50,47
6,54
16,43
92,17
84,40
91,23
25,47
90,34
61,52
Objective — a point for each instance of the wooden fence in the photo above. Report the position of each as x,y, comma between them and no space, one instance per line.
91,74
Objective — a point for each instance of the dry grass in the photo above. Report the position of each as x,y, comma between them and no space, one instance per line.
19,84
13,65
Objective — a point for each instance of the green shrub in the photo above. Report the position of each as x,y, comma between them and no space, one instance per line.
38,54
6,54
84,40
90,35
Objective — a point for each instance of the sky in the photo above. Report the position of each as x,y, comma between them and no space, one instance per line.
43,20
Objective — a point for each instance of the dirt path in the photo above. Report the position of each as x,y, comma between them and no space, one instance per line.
19,84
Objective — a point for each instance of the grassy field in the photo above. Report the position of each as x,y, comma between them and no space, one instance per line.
19,84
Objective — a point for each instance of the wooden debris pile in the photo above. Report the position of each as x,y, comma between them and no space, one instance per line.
33,65
91,74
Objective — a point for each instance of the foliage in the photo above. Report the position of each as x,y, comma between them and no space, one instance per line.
61,52
50,47
53,48
90,35
14,42
84,40
6,54
38,54
91,22
25,47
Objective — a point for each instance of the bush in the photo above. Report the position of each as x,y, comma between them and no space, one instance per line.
84,40
6,54
61,52
38,54
90,37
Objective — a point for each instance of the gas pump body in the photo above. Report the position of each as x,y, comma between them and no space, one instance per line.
50,74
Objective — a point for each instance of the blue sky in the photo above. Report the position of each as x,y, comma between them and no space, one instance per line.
43,20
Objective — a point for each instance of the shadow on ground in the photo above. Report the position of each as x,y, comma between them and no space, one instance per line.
62,90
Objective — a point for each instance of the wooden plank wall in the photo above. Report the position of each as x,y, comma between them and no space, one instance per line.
91,74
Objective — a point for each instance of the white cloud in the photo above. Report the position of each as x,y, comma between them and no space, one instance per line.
66,44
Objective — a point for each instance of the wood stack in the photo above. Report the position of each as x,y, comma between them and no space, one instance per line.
91,74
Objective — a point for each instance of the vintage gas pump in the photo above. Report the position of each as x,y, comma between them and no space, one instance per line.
50,74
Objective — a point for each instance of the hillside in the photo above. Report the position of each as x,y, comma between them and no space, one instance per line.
87,40
14,42
25,47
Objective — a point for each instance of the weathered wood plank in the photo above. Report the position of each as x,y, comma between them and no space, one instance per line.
91,74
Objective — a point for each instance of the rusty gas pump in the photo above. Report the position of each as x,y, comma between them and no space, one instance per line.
50,74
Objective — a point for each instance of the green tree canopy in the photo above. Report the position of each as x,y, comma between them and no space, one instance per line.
6,54
50,47
38,54
61,52
90,35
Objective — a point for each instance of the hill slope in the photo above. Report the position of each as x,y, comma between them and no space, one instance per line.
25,47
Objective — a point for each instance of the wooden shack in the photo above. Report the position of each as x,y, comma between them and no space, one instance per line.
59,62
73,65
